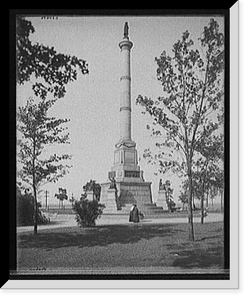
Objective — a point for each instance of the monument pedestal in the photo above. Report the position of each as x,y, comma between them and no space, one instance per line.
110,201
128,193
161,200
131,187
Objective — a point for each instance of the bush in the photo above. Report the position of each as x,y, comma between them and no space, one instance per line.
87,212
25,211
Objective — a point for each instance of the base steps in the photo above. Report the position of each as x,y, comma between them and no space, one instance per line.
145,208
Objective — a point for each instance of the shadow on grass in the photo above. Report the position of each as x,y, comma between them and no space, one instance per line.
200,258
97,236
174,248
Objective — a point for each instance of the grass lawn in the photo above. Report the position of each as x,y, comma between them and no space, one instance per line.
152,246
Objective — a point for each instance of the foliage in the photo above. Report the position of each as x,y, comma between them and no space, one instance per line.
87,212
92,185
25,210
39,130
52,70
183,197
72,199
192,81
62,194
193,92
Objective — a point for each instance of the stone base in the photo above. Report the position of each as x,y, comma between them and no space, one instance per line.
161,200
134,193
110,201
128,193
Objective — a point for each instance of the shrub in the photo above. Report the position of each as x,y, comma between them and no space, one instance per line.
87,212
25,211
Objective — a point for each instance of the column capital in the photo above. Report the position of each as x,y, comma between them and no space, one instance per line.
125,44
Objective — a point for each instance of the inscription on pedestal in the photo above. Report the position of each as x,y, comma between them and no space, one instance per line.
134,174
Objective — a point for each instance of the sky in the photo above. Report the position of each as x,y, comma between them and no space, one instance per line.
92,102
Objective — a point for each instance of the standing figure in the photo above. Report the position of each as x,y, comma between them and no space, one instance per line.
112,183
134,214
126,30
161,185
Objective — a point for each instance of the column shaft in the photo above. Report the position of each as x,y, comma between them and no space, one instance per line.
125,98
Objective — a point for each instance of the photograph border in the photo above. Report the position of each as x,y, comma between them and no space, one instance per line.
231,227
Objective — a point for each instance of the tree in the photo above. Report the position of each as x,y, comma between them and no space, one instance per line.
39,130
192,82
92,185
25,209
62,195
72,199
211,148
52,70
87,211
183,197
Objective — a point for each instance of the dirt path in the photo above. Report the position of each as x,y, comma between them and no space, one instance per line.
59,221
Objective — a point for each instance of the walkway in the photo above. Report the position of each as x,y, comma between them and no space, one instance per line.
57,221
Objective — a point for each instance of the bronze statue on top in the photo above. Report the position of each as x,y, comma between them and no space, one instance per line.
126,30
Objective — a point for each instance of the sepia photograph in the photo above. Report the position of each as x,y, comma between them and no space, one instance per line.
122,146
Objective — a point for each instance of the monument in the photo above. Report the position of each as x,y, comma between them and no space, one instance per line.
130,187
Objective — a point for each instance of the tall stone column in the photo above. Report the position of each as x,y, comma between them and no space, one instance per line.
125,156
131,186
125,98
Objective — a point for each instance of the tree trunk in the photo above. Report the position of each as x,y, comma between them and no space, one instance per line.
203,193
193,201
190,209
34,189
202,207
207,198
35,209
202,201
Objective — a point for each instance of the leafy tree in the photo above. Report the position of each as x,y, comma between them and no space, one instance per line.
39,130
183,197
25,211
184,193
72,199
92,185
211,149
62,195
52,70
192,82
216,183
